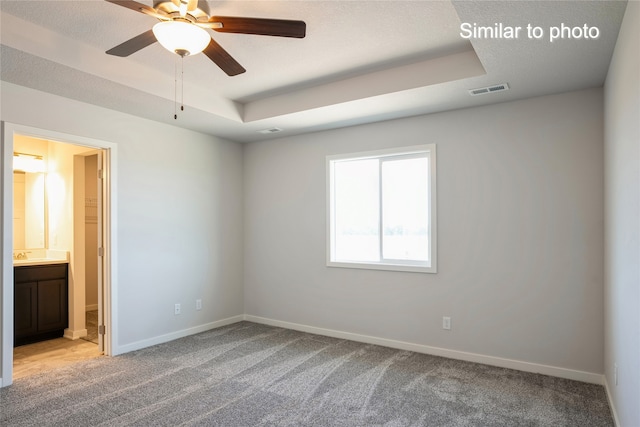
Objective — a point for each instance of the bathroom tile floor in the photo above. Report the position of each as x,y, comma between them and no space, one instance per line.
92,326
43,356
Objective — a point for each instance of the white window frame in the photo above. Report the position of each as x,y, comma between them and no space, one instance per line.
393,265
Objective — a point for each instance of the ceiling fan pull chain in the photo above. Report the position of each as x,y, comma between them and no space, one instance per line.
175,91
182,88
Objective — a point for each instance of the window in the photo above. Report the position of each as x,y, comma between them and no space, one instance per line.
381,210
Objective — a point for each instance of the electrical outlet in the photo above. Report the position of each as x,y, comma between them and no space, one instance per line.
446,322
176,309
198,304
615,373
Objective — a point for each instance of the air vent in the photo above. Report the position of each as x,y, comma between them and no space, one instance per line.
489,89
271,130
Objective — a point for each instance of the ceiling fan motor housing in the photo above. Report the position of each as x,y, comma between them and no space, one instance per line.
173,11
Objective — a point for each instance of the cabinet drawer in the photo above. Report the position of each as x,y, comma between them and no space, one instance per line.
35,273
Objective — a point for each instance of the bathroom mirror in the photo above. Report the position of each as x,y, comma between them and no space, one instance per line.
29,210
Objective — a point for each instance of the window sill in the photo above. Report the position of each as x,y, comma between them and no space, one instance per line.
385,267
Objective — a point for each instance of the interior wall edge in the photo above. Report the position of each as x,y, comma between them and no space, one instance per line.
6,230
622,228
614,413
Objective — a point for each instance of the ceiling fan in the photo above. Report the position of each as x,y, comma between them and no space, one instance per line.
182,30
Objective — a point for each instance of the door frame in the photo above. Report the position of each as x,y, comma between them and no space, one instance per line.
79,239
7,132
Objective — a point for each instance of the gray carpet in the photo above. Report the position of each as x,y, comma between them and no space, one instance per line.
248,374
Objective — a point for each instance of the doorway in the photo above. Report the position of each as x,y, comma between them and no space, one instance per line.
90,226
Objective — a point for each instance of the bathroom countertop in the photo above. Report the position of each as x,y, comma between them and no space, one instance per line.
38,261
40,257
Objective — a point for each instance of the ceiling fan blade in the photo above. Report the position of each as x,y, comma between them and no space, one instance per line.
217,54
133,45
260,26
207,24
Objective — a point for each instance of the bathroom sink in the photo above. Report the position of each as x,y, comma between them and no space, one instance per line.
40,257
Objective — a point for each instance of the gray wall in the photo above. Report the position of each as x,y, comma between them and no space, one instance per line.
520,234
622,207
179,213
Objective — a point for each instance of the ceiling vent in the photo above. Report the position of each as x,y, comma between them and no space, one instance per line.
271,130
489,89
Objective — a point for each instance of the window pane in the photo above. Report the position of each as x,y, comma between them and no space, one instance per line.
356,210
405,209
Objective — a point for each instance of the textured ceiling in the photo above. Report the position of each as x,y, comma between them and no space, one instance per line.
361,61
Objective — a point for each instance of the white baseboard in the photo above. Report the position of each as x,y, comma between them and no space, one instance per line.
91,307
519,365
175,335
614,413
74,335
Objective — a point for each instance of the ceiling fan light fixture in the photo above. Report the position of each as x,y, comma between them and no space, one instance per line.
182,38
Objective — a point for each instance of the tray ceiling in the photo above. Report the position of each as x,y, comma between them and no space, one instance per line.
361,61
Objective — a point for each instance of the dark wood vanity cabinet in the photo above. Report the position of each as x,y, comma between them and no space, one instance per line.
40,302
